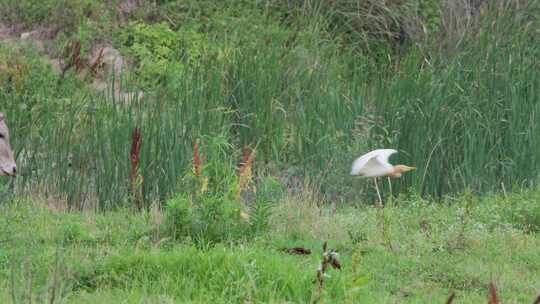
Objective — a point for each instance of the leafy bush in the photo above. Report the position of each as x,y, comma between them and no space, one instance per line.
205,218
269,193
158,50
210,207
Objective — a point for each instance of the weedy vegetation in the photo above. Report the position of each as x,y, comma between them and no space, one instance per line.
222,182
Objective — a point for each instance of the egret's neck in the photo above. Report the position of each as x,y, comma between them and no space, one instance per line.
395,173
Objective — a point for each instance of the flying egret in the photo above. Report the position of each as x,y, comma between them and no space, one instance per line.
375,164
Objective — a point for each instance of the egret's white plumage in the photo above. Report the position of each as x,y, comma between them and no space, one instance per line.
373,164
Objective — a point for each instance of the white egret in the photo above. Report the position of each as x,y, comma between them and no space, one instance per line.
375,164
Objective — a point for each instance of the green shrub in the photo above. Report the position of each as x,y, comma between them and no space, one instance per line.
64,14
269,192
205,218
158,50
216,203
207,208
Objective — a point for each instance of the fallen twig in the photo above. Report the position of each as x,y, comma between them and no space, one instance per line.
297,250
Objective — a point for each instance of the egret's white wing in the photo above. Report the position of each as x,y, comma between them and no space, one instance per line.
360,162
384,155
375,168
374,163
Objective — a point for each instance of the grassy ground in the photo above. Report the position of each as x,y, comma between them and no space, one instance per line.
415,251
306,88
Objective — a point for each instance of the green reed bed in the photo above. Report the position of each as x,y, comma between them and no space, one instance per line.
467,117
469,120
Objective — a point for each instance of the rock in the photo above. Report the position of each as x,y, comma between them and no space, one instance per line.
121,96
42,33
30,35
99,85
5,32
109,58
127,6
39,36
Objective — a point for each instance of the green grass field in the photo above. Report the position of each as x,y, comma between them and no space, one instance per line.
424,252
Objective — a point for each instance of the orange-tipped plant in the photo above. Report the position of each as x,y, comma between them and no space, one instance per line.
136,179
244,171
196,160
493,294
73,54
197,168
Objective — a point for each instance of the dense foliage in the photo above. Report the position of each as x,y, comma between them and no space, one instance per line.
309,85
